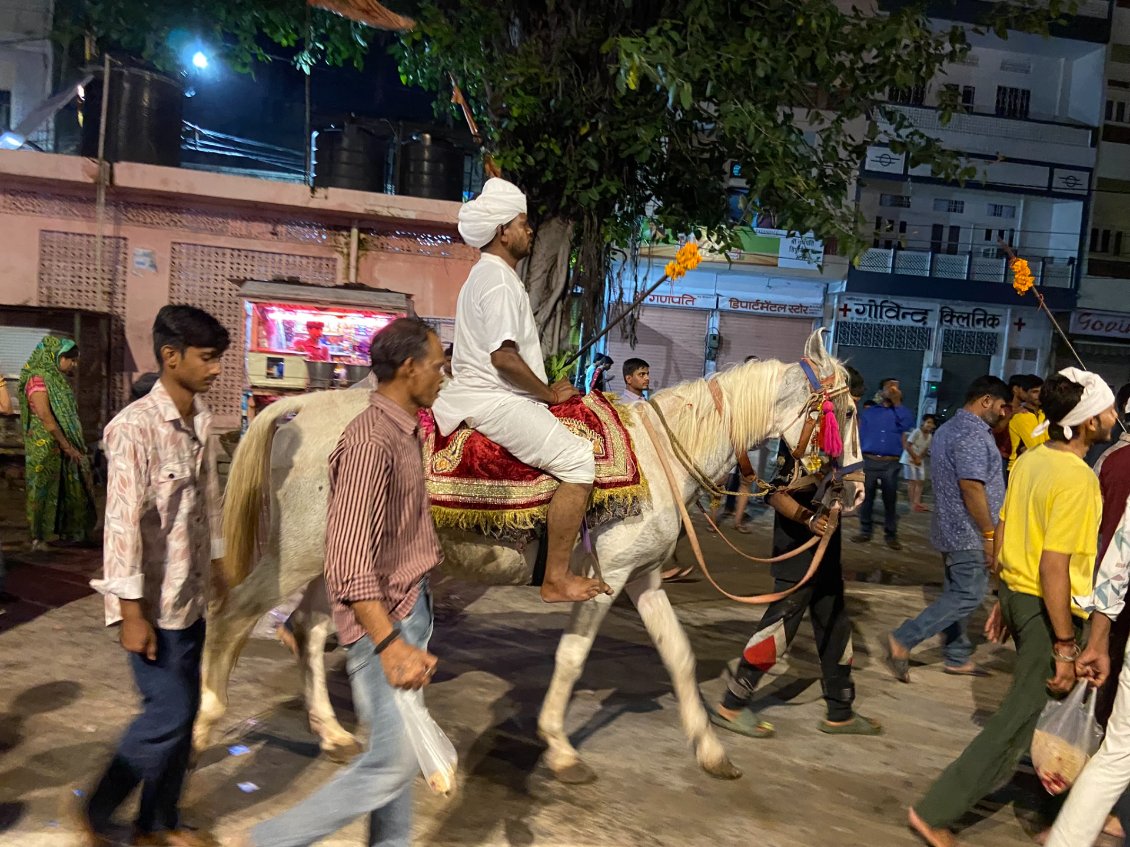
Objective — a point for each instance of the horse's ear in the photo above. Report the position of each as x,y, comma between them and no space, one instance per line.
815,351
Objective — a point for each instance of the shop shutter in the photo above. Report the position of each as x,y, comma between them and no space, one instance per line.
762,336
671,341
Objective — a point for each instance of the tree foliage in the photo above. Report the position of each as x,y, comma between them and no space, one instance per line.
237,31
612,114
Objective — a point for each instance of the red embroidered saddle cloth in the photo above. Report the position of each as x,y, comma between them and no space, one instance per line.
476,485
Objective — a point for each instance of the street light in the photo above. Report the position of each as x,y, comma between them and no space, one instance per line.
199,60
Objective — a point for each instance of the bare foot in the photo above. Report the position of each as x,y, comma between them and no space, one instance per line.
284,635
573,589
933,837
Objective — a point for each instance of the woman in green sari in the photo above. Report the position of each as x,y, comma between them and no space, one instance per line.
57,475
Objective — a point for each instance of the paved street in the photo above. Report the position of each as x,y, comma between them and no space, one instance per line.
67,695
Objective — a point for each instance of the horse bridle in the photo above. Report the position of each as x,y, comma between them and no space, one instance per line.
823,389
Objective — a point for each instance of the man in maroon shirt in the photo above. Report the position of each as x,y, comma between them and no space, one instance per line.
380,545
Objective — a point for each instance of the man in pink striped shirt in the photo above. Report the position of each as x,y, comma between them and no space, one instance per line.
380,545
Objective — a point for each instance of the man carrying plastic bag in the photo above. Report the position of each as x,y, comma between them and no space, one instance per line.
1045,546
380,546
1107,775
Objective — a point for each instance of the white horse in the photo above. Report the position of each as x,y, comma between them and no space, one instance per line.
758,400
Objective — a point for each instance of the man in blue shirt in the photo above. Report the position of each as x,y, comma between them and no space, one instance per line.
882,435
968,495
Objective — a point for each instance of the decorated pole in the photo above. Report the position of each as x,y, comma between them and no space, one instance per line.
686,259
1022,282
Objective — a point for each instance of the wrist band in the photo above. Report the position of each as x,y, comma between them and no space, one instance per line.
388,639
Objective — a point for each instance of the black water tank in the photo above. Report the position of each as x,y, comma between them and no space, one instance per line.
431,167
143,121
352,156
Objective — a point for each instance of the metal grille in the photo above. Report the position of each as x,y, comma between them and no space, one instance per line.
69,278
208,277
862,334
969,341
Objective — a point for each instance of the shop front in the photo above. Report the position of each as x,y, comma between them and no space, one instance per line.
937,348
713,319
310,338
1102,339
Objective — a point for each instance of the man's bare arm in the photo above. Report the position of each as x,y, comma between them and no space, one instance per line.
976,503
515,370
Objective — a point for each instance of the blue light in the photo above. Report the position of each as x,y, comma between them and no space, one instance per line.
199,60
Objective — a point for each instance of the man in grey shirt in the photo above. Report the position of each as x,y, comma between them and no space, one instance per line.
968,492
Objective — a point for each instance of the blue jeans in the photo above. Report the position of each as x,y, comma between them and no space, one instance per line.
379,781
967,580
885,475
155,749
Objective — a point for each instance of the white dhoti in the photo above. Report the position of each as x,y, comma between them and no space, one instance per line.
530,431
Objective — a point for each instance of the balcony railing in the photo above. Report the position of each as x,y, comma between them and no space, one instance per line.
1049,271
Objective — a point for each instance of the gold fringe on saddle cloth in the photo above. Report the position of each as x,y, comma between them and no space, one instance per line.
620,491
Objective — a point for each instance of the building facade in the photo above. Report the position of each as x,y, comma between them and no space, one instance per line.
931,301
1100,324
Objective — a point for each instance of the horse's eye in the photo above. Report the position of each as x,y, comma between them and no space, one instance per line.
850,414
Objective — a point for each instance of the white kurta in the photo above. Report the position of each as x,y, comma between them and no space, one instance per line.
494,308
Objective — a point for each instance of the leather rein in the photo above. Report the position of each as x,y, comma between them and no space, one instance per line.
821,391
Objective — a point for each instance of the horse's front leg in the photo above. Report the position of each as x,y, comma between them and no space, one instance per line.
674,649
572,651
312,625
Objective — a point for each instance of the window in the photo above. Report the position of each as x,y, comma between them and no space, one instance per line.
5,109
951,207
885,233
900,201
999,210
1013,102
1104,241
1109,109
1120,112
914,95
1016,66
938,242
967,94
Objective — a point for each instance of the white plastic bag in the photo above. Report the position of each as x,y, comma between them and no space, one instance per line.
434,750
1067,735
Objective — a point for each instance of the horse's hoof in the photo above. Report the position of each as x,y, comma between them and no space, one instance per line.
576,773
724,769
343,753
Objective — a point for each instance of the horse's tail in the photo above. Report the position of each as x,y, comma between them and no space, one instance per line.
246,495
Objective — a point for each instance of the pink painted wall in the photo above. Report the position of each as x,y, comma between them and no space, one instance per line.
201,230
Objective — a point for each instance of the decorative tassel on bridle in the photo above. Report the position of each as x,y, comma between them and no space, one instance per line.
831,443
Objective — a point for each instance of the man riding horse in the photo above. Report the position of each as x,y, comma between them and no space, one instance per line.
500,387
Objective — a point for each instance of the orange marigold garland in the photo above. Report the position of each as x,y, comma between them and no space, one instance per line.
1022,279
686,259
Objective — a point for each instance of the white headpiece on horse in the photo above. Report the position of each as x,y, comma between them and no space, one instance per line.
498,204
1097,398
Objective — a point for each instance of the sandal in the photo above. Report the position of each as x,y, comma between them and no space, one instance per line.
746,723
899,668
966,670
742,528
858,725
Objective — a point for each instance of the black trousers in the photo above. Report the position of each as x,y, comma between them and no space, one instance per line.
823,598
156,748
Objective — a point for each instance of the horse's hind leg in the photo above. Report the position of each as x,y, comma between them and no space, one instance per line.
313,624
229,625
671,641
572,651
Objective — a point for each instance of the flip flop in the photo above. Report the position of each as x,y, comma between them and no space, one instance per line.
746,723
858,725
899,668
969,670
742,528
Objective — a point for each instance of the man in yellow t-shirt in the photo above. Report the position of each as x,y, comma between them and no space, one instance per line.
1045,545
1028,417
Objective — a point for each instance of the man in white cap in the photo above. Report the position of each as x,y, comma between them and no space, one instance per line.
1044,545
499,385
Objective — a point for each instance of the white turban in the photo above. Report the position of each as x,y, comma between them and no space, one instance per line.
498,204
1097,398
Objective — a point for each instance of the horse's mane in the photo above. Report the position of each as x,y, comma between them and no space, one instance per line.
750,391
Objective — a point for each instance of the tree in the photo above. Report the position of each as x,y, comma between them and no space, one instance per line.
618,114
161,31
